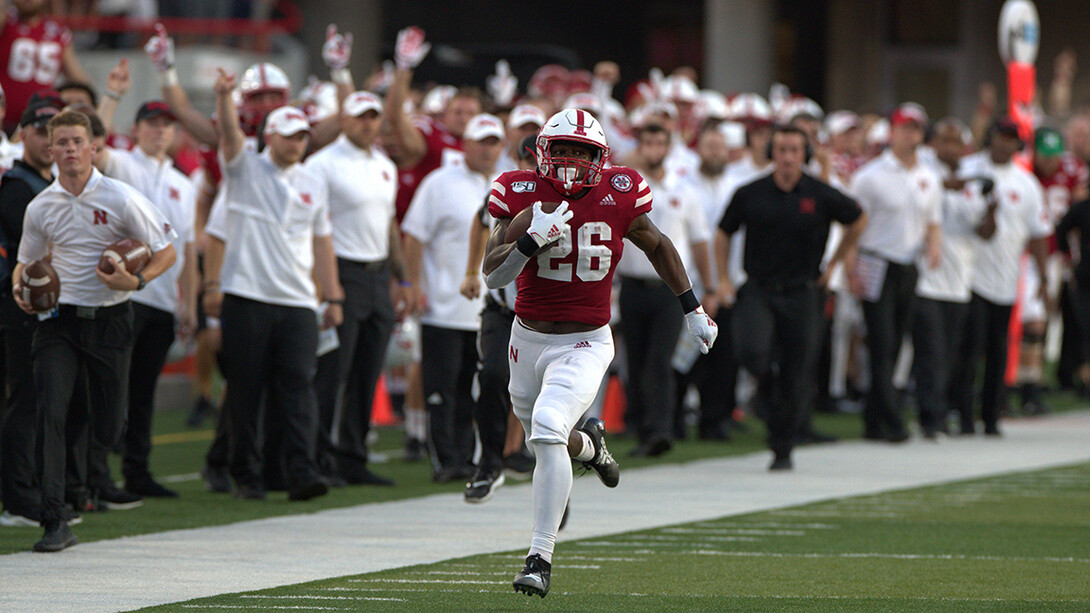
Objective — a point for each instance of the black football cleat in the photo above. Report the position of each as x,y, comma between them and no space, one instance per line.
602,463
534,578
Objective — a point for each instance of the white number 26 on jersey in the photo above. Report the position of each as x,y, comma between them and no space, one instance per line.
592,260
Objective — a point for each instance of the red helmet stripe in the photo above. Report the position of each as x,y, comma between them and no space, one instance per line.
579,123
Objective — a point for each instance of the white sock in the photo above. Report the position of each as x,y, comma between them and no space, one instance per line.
552,486
587,453
416,424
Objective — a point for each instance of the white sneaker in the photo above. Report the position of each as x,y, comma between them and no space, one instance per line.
11,520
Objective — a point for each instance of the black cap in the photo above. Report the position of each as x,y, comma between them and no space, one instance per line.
154,108
526,149
38,113
1006,126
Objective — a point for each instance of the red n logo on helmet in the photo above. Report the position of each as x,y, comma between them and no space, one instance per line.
579,128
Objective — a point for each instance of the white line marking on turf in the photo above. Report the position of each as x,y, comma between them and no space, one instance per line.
755,532
242,606
601,559
455,582
309,597
891,556
180,478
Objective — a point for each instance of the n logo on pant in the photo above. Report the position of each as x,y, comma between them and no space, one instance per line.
514,354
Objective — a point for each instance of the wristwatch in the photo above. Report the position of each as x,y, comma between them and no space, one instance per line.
143,282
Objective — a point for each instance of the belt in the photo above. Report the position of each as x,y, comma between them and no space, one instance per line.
654,283
86,312
781,286
375,266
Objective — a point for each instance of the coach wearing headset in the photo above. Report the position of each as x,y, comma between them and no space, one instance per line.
786,215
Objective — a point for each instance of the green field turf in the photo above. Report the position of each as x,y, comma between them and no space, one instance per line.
1017,542
180,451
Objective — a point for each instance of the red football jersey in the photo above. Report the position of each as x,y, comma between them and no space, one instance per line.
572,280
439,141
1059,187
30,57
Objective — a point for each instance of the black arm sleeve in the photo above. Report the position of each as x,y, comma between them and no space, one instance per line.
734,216
842,207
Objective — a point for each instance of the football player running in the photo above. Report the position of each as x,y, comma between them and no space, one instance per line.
561,344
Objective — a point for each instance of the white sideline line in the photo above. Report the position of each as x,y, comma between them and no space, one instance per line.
305,597
889,556
180,565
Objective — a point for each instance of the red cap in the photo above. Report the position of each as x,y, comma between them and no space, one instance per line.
908,113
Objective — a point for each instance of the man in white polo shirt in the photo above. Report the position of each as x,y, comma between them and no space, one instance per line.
362,184
436,249
903,199
524,120
73,221
650,319
167,303
272,243
1020,220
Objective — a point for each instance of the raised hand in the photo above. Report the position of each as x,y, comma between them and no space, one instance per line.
119,80
160,49
503,85
411,48
337,50
224,82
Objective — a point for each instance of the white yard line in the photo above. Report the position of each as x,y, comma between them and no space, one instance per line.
133,572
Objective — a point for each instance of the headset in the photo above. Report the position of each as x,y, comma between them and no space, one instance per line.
788,129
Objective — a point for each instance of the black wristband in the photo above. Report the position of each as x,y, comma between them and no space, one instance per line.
143,283
526,245
688,301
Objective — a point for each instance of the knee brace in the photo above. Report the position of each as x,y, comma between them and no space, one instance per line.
549,425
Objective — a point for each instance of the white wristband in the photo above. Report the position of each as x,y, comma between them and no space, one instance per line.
341,76
169,77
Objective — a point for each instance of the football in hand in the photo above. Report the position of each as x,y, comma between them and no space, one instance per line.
129,252
40,286
521,222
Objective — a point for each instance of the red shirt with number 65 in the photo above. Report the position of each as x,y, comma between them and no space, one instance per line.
30,60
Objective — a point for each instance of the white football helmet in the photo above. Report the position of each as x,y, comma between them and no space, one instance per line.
578,126
261,78
319,100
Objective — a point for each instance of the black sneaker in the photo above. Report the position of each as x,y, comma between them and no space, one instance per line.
519,465
146,486
534,578
364,476
480,488
118,500
781,462
216,480
57,537
414,450
306,490
602,463
203,408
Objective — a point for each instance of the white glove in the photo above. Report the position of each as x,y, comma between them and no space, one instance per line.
410,48
337,49
160,49
503,85
702,328
547,228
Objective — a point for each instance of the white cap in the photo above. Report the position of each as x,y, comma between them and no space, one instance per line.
734,133
750,106
840,122
680,88
800,105
713,105
286,121
878,134
358,103
482,126
435,101
583,100
524,114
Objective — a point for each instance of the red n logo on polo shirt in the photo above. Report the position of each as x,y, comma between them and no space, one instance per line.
100,218
806,206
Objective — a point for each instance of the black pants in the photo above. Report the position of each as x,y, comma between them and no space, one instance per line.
62,346
937,331
19,418
350,372
494,401
888,320
778,326
269,347
448,364
651,321
153,330
716,378
1073,348
986,333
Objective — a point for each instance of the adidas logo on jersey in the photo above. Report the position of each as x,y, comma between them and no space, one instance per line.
608,200
582,345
